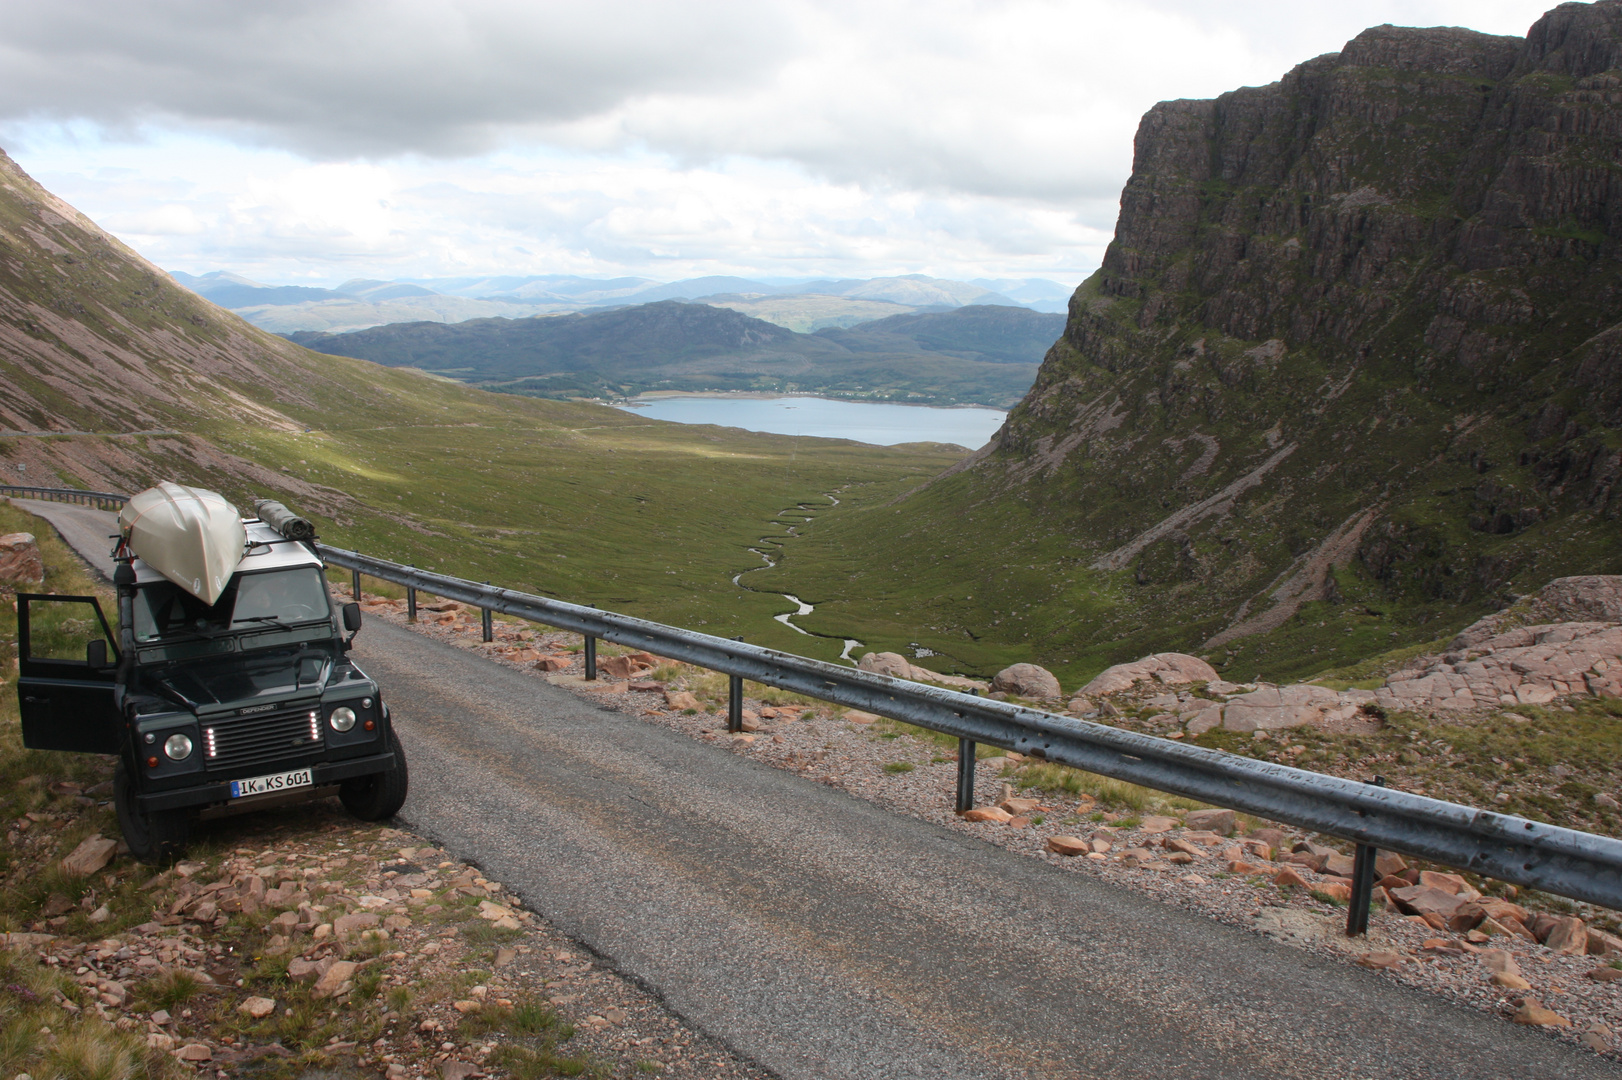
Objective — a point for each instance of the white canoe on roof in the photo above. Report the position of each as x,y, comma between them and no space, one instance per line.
190,536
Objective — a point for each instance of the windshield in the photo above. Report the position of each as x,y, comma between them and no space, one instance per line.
164,611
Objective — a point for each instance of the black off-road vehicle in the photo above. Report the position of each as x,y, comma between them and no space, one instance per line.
238,702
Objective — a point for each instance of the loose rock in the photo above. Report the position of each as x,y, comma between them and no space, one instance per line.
1533,1013
257,1007
1027,681
93,853
1221,822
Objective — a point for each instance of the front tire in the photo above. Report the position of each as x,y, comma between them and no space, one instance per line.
155,837
378,796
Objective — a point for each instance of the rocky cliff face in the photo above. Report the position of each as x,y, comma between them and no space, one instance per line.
1351,370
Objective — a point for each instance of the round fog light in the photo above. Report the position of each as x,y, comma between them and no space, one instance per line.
178,747
342,718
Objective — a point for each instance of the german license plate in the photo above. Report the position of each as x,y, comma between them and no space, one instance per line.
264,785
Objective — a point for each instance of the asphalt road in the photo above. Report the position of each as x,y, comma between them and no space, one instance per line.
822,937
87,530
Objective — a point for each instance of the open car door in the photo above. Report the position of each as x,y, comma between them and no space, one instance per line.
68,663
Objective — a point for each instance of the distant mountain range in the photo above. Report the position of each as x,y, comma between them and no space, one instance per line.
802,305
981,353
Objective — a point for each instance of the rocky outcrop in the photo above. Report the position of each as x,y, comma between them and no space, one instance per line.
1522,656
1171,668
1252,707
1530,665
20,562
1027,681
1494,664
1273,707
1590,598
899,667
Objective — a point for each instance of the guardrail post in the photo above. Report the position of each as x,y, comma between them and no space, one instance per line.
965,775
1357,910
591,658
488,622
411,604
354,585
735,703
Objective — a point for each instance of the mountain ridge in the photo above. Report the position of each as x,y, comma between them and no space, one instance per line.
982,354
801,305
1349,376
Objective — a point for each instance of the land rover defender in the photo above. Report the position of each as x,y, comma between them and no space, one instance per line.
237,701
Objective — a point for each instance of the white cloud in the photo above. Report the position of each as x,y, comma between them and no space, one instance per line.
275,217
304,139
340,78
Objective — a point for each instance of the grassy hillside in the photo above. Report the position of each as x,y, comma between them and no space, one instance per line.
116,378
972,355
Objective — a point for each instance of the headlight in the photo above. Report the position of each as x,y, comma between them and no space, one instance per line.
342,718
178,747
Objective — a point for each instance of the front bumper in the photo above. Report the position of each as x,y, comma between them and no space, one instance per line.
321,773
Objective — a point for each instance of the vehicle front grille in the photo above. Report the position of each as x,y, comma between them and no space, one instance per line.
240,743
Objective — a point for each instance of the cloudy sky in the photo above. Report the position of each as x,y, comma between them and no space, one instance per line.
311,141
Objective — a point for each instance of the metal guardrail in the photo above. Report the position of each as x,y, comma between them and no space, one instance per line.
1583,866
89,498
1580,865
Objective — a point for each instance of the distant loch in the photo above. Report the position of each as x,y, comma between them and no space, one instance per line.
879,423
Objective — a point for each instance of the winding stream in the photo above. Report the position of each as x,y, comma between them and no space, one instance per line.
770,560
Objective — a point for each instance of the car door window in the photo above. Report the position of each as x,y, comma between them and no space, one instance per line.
61,627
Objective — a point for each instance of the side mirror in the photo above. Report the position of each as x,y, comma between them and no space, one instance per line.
95,654
352,618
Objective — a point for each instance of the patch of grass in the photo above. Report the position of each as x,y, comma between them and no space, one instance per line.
305,1024
269,970
81,1047
527,1018
94,1052
1370,673
775,697
19,1041
1045,776
529,1063
367,983
1320,895
896,767
170,990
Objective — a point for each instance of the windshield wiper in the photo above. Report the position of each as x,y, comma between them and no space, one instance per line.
260,618
278,621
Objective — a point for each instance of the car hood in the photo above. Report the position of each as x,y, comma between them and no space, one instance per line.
244,681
